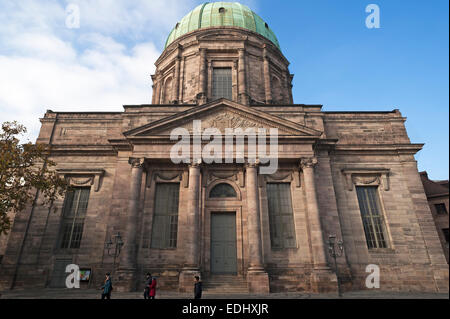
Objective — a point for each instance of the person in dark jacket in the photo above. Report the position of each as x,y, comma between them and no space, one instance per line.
152,287
107,287
148,282
197,288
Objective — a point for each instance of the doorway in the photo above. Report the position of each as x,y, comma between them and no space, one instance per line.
223,243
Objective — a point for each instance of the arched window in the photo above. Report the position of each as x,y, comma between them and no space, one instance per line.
222,191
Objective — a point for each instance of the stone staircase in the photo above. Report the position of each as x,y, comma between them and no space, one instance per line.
225,284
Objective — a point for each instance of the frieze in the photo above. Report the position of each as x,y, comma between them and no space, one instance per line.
366,177
83,177
234,176
167,176
282,176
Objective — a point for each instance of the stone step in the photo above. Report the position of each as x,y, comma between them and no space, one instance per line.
225,284
224,280
225,292
225,289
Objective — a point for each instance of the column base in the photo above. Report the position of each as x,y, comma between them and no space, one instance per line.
124,280
186,279
323,280
258,281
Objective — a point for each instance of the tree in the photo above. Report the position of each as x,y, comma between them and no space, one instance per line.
24,170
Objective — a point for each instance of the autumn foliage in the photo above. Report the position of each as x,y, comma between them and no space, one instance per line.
25,172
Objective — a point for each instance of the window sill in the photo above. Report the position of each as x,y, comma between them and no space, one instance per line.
284,249
67,251
381,251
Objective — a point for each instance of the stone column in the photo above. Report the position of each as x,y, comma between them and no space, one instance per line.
128,257
191,267
267,84
257,278
243,94
176,81
322,278
201,96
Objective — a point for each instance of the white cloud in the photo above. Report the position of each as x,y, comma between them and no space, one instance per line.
104,64
42,46
96,80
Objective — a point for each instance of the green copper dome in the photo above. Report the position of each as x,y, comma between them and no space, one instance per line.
218,14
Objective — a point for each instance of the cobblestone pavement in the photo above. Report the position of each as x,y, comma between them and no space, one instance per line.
95,294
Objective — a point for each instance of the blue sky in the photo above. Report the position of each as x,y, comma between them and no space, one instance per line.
337,61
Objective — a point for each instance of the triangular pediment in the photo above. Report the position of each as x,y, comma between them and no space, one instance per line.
222,114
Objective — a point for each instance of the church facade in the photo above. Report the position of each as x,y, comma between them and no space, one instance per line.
351,175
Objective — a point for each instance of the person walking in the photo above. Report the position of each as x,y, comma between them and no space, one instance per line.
148,282
107,287
152,286
197,288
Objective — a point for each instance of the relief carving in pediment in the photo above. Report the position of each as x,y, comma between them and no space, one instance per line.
229,120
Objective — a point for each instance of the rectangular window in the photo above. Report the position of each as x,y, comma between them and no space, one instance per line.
74,212
441,209
281,217
222,84
165,217
369,205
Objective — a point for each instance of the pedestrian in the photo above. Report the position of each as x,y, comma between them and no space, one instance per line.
107,287
197,288
152,286
148,282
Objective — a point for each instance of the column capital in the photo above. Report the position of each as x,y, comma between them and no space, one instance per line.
136,162
195,163
308,162
251,164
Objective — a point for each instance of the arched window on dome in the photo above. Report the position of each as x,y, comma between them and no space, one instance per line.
223,190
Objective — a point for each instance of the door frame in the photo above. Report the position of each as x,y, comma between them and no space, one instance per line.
232,216
237,209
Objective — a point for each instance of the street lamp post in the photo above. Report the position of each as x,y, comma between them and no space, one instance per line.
117,245
336,253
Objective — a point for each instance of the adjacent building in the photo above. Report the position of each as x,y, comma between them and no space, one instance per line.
346,174
437,195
